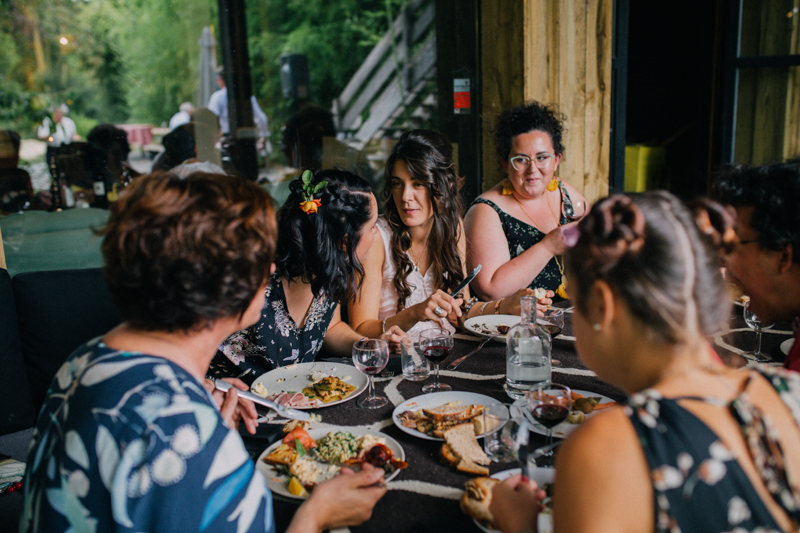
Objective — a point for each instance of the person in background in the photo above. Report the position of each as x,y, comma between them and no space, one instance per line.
58,131
417,257
129,438
766,262
698,446
16,189
303,134
179,147
114,141
184,116
514,228
325,228
218,104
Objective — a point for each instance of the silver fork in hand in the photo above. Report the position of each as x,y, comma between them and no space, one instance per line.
454,364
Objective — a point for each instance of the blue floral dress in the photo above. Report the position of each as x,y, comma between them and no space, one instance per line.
275,340
699,485
521,236
132,442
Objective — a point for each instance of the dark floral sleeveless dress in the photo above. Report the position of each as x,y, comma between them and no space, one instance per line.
521,236
275,340
699,486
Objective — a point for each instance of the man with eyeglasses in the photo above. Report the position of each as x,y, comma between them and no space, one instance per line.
766,262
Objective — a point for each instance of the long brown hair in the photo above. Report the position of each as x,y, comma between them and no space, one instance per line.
428,156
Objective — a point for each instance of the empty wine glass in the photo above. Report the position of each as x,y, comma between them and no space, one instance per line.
370,356
753,323
549,405
435,345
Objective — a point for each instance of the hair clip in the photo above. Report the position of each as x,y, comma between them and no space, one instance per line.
310,204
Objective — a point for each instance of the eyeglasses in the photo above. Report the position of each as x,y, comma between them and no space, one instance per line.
522,163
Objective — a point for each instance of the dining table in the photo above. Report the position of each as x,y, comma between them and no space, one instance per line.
425,496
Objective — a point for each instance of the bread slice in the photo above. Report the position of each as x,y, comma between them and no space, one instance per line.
451,458
462,440
450,413
477,498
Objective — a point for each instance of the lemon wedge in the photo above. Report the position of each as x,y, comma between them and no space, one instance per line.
296,488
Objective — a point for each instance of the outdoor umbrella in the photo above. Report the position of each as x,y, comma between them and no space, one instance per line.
208,65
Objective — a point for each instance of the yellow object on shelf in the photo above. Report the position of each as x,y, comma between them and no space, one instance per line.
644,165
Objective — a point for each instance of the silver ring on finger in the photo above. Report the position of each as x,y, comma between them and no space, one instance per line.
440,312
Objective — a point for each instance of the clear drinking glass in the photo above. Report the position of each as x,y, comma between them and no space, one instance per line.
753,323
528,352
498,433
553,321
574,211
370,356
435,345
549,405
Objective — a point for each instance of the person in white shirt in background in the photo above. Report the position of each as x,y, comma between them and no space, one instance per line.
184,116
218,104
64,133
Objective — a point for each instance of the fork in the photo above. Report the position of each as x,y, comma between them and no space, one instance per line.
454,364
285,412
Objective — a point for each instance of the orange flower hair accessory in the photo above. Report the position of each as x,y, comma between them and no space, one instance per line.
310,204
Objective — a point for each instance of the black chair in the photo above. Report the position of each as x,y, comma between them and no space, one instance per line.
57,311
15,396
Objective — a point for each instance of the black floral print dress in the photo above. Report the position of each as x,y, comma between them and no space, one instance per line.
521,236
699,485
275,340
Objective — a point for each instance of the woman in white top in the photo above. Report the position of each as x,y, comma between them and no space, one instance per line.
417,258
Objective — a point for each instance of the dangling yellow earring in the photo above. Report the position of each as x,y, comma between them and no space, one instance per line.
553,185
508,189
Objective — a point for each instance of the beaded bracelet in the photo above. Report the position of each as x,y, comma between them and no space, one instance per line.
383,325
497,306
466,306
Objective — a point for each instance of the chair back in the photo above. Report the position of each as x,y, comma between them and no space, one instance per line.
16,406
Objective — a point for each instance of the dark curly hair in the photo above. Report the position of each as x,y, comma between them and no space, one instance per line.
774,193
182,253
525,118
320,248
428,155
648,248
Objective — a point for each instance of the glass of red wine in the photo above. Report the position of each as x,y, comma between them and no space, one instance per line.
549,405
370,356
435,344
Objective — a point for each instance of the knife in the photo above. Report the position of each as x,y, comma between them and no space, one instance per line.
284,411
466,281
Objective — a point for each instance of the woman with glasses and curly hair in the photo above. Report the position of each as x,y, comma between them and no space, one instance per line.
128,437
417,258
325,228
513,229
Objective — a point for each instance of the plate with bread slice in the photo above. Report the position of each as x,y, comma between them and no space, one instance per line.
429,415
478,495
307,457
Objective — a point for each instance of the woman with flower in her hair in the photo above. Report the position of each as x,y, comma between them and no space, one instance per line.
514,228
698,447
418,256
325,228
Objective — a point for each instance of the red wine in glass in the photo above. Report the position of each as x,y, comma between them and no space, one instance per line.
436,354
373,370
550,415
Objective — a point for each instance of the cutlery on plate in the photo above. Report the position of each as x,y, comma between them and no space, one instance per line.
454,364
285,412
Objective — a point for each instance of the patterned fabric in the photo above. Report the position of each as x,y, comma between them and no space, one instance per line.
132,442
521,236
275,340
421,287
699,485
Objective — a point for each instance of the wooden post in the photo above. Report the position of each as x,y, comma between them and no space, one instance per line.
2,253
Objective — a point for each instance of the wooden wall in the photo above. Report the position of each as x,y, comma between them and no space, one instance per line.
565,59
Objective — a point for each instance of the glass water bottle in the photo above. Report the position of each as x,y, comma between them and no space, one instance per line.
528,352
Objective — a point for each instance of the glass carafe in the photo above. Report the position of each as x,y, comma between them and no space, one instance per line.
528,351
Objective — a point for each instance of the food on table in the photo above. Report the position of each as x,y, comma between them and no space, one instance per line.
323,389
307,463
502,329
328,389
484,329
583,405
539,293
259,390
477,498
435,420
576,417
461,450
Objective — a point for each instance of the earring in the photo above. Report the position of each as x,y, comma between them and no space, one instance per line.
597,327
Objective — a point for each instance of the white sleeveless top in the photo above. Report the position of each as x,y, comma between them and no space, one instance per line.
421,286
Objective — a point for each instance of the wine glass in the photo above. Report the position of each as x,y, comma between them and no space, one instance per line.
753,323
573,210
436,344
552,320
549,405
370,356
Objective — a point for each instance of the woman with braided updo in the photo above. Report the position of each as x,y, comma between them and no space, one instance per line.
324,230
698,446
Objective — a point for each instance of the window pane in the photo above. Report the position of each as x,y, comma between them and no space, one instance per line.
769,28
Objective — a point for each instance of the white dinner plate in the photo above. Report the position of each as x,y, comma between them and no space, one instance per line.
435,399
564,428
540,476
786,346
293,378
487,325
277,483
